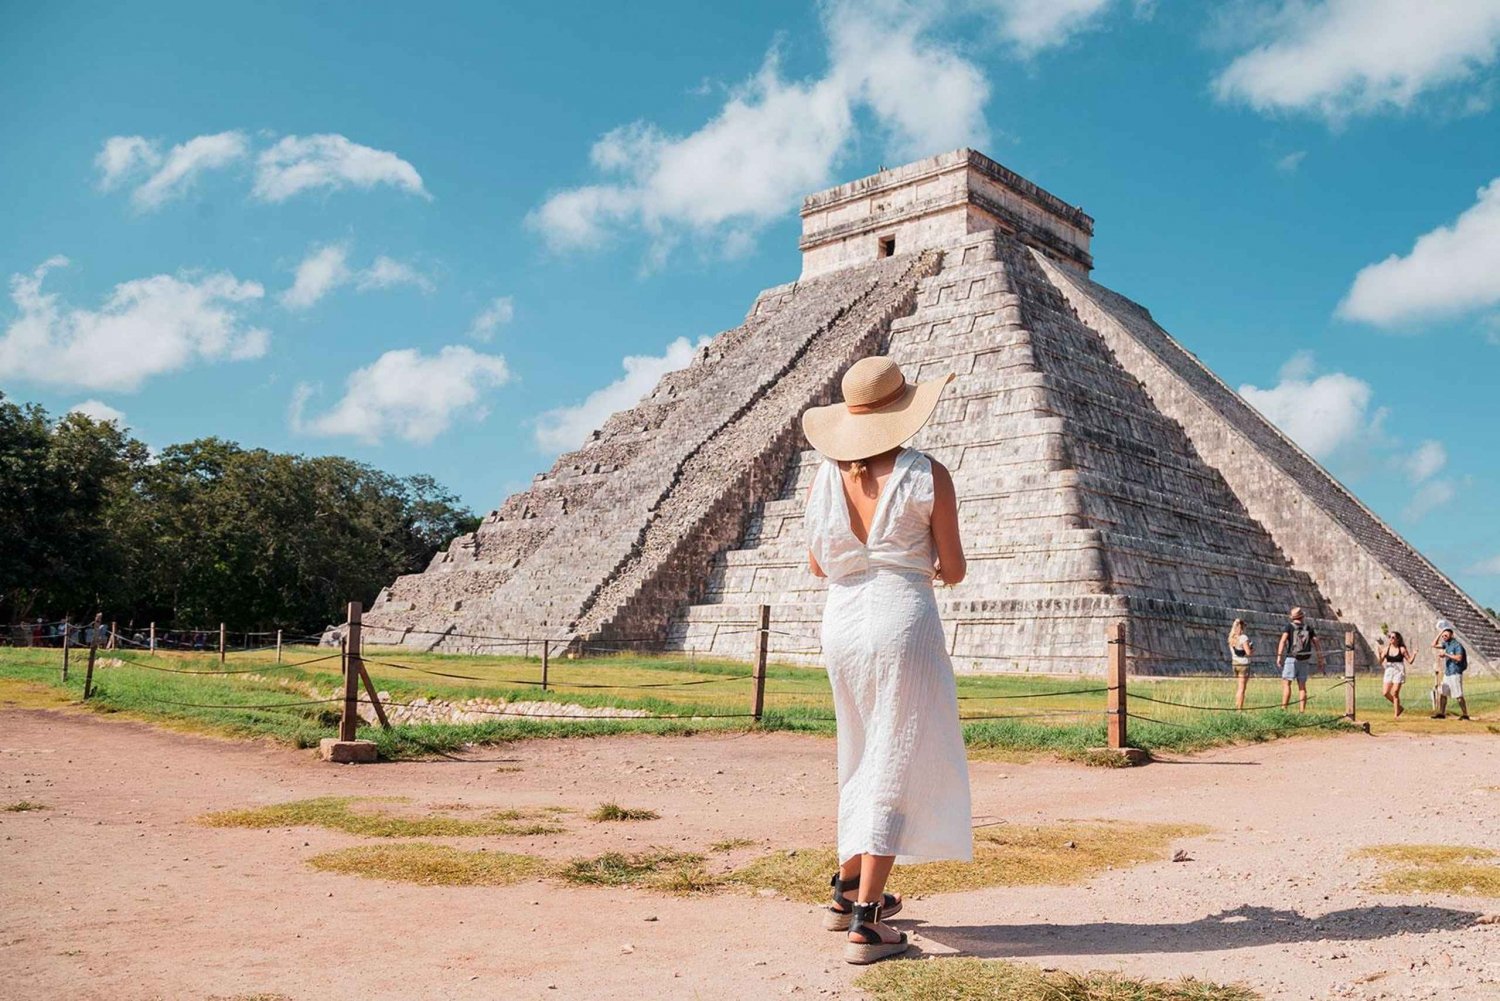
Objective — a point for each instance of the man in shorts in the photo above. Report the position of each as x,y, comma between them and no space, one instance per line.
1294,652
1455,662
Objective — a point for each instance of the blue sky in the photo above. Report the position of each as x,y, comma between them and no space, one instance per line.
498,222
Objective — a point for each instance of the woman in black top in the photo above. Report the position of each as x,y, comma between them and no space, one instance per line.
1396,656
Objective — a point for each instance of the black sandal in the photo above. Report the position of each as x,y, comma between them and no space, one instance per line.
841,911
871,945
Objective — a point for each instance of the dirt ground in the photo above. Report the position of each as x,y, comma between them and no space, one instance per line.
114,892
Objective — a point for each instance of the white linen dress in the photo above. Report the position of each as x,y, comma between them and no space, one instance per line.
903,774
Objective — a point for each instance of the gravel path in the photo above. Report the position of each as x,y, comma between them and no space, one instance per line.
114,893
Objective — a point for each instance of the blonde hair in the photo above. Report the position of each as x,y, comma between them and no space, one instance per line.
1237,628
858,469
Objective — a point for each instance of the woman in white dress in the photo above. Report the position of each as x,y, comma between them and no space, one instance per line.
882,523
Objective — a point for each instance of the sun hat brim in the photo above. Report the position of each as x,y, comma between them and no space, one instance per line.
845,436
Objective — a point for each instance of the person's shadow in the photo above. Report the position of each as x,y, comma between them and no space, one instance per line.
1239,928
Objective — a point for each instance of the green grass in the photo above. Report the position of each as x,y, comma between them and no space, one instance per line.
797,699
362,816
605,812
1455,869
966,979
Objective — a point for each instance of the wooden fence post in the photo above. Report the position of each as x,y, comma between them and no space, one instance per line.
1349,707
88,677
1117,700
67,636
153,638
278,646
113,633
352,667
546,657
762,636
221,642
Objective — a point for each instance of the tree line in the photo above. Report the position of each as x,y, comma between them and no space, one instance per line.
200,533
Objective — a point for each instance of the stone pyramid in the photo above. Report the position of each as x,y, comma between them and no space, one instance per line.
1102,471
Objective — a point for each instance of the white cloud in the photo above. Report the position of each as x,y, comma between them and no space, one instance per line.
387,273
1326,414
320,272
1338,58
499,312
184,162
1451,270
1034,25
1288,164
773,139
569,427
1426,461
1429,497
1487,566
98,410
327,268
122,156
407,394
925,95
300,163
145,327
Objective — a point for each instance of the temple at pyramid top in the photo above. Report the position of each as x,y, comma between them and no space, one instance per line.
1103,472
937,202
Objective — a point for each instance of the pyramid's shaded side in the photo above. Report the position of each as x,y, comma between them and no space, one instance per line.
1372,576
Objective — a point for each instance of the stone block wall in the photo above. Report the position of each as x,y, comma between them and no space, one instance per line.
1369,575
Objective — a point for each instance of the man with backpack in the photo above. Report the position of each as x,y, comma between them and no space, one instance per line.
1294,652
1455,661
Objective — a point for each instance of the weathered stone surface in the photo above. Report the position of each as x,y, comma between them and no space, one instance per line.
1102,471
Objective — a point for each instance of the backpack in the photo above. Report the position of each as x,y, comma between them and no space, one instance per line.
1301,640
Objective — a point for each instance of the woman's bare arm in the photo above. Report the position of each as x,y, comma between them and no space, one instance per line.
952,566
812,561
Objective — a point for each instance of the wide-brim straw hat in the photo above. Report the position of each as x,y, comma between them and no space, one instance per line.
881,410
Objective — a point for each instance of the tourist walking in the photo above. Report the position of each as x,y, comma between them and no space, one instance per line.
1240,649
1396,657
1455,661
881,524
1294,652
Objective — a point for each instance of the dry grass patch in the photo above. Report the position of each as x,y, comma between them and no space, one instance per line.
18,694
431,865
1008,855
1455,869
730,844
654,869
998,980
614,811
353,815
24,806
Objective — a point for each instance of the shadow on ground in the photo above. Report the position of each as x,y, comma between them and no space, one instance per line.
1242,927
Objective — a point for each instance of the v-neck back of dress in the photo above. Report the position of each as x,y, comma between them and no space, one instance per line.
900,529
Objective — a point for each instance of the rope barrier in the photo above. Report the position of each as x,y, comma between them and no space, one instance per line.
1229,709
519,715
248,670
1039,695
268,705
559,684
1059,712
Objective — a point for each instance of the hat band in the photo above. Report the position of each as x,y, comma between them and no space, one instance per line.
884,401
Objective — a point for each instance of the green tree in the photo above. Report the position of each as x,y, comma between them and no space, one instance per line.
205,532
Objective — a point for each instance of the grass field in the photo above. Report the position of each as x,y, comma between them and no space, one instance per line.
251,695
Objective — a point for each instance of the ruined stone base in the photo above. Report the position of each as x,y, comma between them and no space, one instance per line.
347,752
